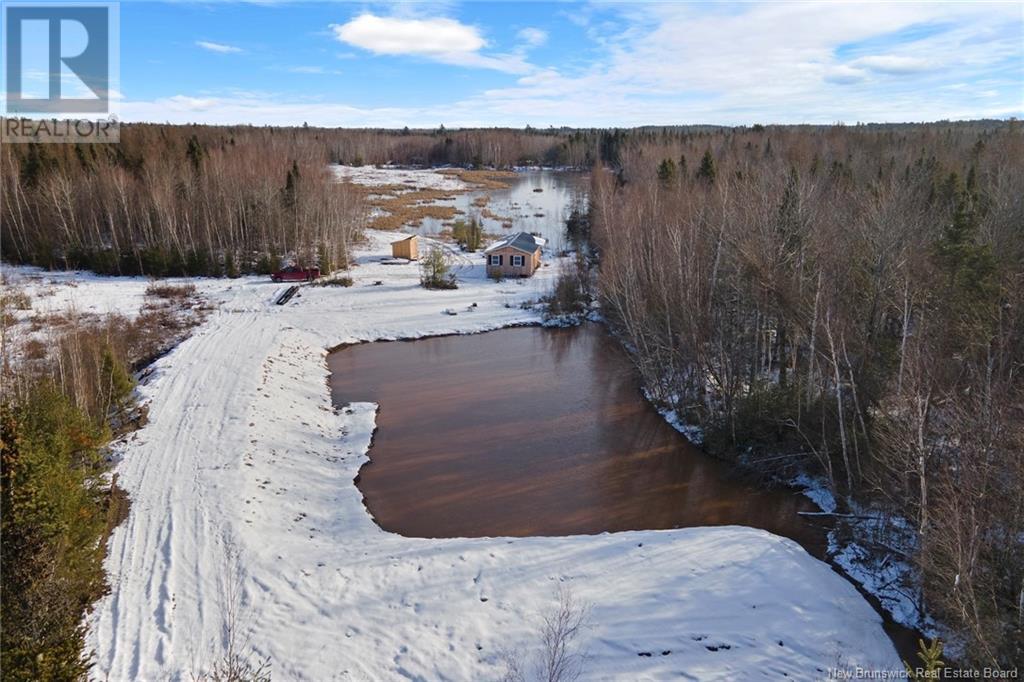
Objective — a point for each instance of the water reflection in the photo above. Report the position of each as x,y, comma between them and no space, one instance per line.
534,431
538,201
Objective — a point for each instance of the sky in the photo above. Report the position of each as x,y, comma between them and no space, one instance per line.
425,64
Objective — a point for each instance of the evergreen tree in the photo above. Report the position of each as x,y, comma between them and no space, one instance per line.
195,153
667,171
288,193
230,266
323,259
118,382
971,288
33,165
51,529
931,661
707,171
435,270
788,224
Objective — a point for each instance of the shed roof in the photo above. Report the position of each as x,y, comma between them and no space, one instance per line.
405,239
523,241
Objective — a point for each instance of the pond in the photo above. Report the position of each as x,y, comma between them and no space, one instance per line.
534,431
538,201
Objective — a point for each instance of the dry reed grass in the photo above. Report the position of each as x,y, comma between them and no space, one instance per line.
412,216
411,208
487,179
405,206
506,222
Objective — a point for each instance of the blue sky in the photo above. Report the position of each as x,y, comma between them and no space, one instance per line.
580,64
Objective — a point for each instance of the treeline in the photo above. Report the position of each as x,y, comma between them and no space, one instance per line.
848,301
178,200
500,148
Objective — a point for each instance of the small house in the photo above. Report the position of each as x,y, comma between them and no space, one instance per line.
515,256
407,248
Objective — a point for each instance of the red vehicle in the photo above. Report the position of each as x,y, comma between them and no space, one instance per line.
294,273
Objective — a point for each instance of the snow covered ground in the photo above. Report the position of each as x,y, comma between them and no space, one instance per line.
873,549
415,178
242,483
86,293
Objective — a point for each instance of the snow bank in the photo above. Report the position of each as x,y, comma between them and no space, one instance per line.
244,456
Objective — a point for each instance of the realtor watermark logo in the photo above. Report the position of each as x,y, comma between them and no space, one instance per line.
61,72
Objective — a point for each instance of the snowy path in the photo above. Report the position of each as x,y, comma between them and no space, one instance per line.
246,469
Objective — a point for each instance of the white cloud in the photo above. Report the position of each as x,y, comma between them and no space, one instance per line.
312,70
393,35
185,103
437,39
534,37
893,64
844,74
220,48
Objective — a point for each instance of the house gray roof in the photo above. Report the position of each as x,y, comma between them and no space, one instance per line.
523,241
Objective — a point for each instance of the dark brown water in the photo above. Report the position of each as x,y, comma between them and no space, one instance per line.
533,431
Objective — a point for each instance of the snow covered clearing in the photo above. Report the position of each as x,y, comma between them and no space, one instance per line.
244,476
85,293
415,178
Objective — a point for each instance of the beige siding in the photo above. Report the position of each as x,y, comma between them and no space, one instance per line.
506,269
406,248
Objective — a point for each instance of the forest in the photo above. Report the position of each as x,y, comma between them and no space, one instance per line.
844,301
177,200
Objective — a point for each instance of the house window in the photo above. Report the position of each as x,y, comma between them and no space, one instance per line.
495,260
517,261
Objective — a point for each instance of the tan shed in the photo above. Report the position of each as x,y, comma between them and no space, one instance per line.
407,248
516,256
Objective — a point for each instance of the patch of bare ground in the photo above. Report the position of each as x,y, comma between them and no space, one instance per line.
118,504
